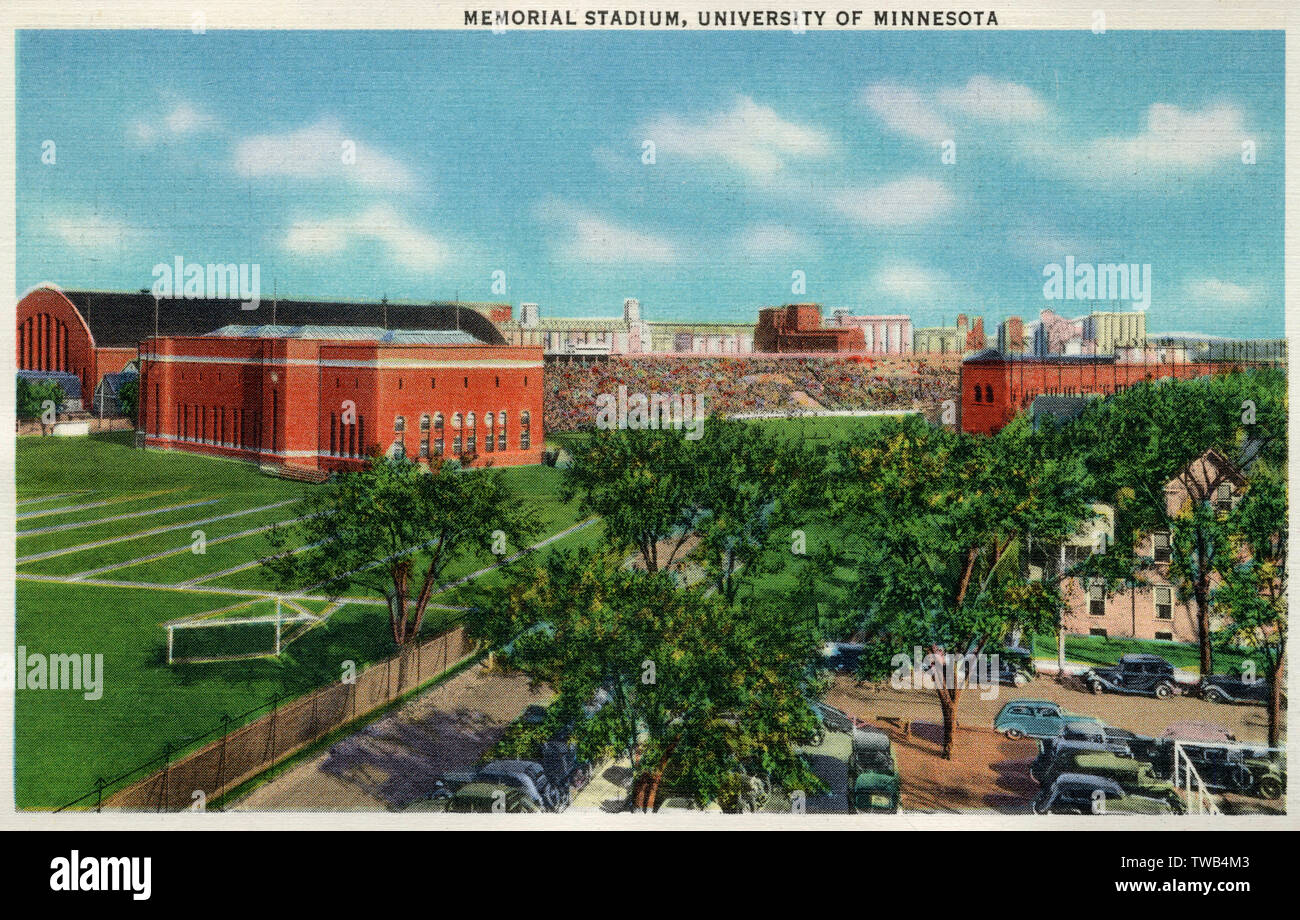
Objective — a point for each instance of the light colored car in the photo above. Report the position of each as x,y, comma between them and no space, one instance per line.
1036,719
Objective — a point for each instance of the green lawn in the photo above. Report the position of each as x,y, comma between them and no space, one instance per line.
63,741
1096,650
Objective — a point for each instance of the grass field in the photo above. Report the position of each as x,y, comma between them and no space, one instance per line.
1183,655
105,538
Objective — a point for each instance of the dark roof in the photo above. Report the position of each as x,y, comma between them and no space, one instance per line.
993,355
1061,408
70,383
123,320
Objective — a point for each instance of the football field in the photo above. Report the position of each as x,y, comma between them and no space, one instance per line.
113,542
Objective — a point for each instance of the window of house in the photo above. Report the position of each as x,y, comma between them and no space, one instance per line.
979,394
501,431
1167,636
456,434
1224,498
525,436
489,442
988,393
471,436
399,424
1161,546
1097,599
1164,604
424,423
467,383
1101,633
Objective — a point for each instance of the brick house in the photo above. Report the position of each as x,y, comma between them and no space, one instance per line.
1153,610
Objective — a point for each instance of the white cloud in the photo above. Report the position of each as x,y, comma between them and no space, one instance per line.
767,240
907,281
1213,290
910,200
181,121
1172,140
320,151
91,232
588,237
749,136
986,99
905,111
408,246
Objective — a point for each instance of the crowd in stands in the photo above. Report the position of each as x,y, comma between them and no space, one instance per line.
736,385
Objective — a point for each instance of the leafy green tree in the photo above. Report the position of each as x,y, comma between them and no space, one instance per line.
1252,595
940,519
396,528
1136,442
128,398
705,698
34,396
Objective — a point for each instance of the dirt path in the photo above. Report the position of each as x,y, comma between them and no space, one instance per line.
395,761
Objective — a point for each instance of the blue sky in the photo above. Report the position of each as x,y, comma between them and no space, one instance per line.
774,153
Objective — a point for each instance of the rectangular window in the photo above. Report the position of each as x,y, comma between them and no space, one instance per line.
1225,497
424,446
1097,600
1168,637
438,447
1161,546
1097,632
455,443
1164,604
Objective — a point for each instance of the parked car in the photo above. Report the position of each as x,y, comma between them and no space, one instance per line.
873,773
830,718
1035,719
1224,688
1232,769
1195,730
1055,751
481,798
1149,675
842,657
1084,794
1140,747
1135,776
1021,659
528,776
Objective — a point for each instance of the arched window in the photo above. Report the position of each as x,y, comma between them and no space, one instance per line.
501,431
471,436
424,437
438,442
399,424
988,393
489,439
424,423
979,394
525,436
456,433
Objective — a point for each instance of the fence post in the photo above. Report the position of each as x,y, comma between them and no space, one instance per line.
167,770
221,757
99,794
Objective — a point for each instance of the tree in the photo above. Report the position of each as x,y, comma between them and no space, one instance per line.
128,398
940,519
394,525
1252,594
703,697
37,397
1139,440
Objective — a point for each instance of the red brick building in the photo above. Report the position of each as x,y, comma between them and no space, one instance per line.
326,397
53,335
995,387
797,327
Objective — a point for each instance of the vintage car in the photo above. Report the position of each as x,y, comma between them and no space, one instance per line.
1020,659
873,773
1141,747
1035,719
1224,688
1149,675
1197,730
481,798
1233,769
1084,794
1134,776
529,777
842,657
1054,750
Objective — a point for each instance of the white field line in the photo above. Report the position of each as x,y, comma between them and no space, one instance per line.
190,589
538,545
46,498
67,509
244,566
154,531
154,557
75,525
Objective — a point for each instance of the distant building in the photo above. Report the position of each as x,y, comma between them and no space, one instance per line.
1109,331
889,334
961,339
580,337
798,327
1011,336
702,338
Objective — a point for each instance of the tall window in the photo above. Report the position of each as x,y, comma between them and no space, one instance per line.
1097,599
525,436
489,442
456,434
501,431
1164,604
399,424
424,437
471,437
334,435
1161,546
979,394
438,442
1224,498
